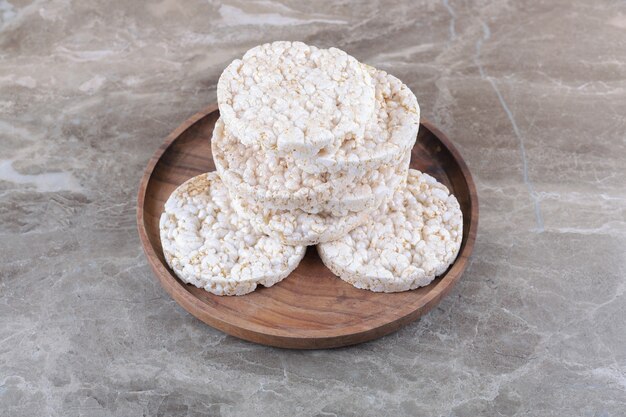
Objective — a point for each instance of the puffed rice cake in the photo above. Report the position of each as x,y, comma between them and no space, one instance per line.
276,182
207,244
405,244
390,132
294,97
297,227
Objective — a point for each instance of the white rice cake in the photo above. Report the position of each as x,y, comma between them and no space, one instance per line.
276,182
405,244
209,245
294,97
389,134
297,227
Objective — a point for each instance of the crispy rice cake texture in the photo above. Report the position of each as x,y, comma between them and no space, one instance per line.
207,244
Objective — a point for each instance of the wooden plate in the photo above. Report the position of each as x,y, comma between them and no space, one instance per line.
312,308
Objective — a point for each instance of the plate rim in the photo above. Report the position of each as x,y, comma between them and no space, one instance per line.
326,338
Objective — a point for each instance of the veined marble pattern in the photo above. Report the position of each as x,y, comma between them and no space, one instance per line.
533,93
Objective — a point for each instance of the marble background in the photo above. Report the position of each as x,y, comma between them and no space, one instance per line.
533,93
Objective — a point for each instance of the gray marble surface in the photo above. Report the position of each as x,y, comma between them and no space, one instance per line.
533,93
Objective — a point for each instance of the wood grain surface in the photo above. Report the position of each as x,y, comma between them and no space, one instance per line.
312,308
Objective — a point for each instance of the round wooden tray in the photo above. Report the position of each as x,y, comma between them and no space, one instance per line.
312,308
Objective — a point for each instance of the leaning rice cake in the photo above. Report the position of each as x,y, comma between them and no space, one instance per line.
209,245
405,244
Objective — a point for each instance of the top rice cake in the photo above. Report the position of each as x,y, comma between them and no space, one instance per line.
296,98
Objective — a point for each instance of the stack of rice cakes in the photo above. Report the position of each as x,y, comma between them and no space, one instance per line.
313,148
